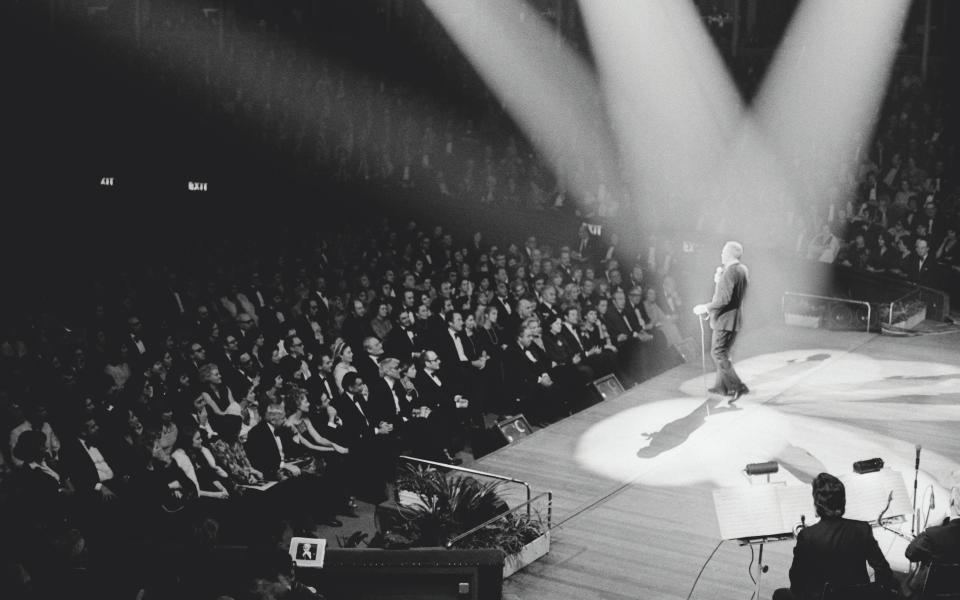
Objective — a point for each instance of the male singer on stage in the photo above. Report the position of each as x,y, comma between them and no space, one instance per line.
726,316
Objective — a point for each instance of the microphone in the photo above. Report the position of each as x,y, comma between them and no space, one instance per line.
933,503
803,521
917,465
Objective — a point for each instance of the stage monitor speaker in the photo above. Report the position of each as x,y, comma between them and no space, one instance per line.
501,434
607,387
514,428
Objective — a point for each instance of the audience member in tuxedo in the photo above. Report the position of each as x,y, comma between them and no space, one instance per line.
359,433
356,327
628,339
82,461
921,268
569,370
402,341
595,338
245,331
322,383
641,321
294,364
591,356
834,550
41,494
528,381
368,362
137,341
267,446
441,394
450,348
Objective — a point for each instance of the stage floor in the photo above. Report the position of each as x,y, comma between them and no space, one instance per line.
632,477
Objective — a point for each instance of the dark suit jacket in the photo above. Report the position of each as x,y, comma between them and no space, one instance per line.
262,449
357,426
939,543
399,345
382,404
725,309
616,323
78,466
438,398
925,275
835,551
521,369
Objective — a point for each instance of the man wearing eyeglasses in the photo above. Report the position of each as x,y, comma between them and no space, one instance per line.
294,364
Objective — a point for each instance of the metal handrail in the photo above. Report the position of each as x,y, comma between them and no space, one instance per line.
470,532
474,472
863,302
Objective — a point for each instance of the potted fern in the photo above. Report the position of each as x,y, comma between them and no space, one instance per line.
437,509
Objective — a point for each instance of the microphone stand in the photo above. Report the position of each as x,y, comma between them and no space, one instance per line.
916,475
703,362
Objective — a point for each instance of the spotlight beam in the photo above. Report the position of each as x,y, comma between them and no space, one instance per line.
545,86
668,96
823,92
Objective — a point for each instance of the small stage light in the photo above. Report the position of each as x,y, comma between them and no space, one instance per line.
764,468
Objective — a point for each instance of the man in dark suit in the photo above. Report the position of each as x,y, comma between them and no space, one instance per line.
360,431
629,338
305,493
402,341
439,392
921,267
834,550
726,317
940,543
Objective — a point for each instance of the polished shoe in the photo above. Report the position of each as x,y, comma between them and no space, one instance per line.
332,522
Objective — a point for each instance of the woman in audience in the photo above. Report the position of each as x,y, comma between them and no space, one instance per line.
217,395
381,323
161,496
197,462
231,455
298,420
344,355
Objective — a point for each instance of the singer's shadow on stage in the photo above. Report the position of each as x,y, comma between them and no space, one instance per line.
678,431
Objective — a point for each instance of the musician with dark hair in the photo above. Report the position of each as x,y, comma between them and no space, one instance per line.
834,550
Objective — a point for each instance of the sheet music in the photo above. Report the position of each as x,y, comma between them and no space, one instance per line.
867,494
748,511
762,510
796,501
768,510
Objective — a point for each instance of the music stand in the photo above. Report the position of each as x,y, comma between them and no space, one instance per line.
759,514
